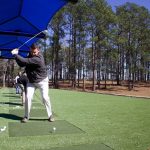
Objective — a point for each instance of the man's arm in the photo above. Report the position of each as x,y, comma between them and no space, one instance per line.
21,61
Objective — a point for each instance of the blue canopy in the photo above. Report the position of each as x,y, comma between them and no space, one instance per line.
22,19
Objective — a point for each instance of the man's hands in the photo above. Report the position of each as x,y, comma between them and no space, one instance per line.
15,51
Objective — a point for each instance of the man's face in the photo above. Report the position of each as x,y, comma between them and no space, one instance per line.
34,52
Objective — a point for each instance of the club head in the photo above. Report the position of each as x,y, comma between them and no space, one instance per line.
45,31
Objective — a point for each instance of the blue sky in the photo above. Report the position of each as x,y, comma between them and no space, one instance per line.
113,3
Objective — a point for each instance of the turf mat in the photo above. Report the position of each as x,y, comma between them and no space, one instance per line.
98,146
34,128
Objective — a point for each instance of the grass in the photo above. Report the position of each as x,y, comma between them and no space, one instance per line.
121,123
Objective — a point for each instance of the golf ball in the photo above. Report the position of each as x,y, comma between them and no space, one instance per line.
54,128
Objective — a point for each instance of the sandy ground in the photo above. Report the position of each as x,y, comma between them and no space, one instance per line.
138,91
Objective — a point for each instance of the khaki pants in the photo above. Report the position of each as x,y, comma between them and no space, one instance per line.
44,89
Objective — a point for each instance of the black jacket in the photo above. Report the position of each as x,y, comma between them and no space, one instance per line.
34,66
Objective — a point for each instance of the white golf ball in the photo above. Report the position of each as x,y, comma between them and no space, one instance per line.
54,128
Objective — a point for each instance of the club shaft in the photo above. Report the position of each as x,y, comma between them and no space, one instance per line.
30,39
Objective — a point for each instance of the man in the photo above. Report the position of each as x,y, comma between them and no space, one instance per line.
36,72
17,85
22,81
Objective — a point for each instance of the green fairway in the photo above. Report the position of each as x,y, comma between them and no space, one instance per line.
83,121
84,147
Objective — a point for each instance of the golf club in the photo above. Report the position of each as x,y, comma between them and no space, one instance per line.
44,31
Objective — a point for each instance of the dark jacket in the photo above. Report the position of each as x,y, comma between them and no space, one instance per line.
34,66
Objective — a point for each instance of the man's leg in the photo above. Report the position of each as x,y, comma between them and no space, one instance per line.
28,101
22,93
23,97
17,88
44,89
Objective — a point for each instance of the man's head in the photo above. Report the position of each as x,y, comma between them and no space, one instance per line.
34,50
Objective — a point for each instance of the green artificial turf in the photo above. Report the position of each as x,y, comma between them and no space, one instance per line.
121,123
43,127
98,146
